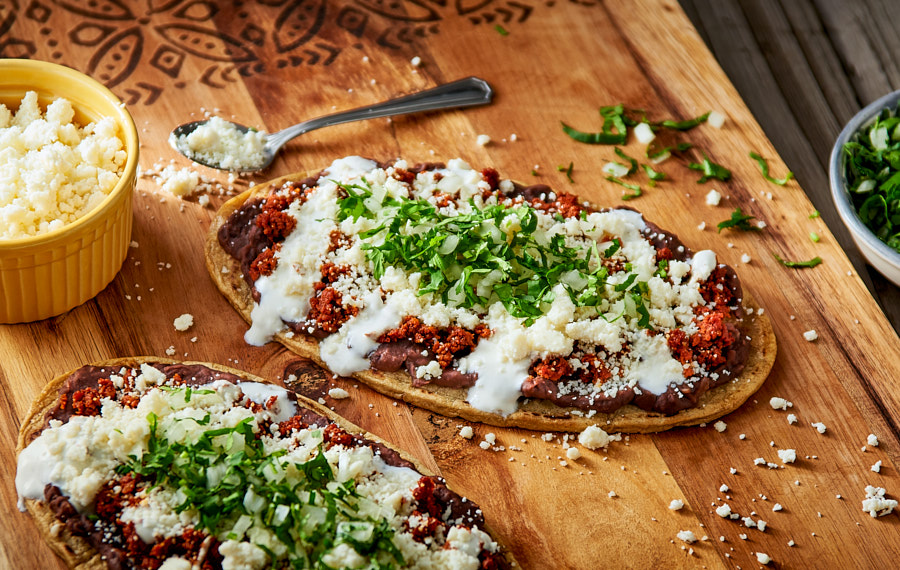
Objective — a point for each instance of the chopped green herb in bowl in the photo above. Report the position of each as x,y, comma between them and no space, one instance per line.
865,182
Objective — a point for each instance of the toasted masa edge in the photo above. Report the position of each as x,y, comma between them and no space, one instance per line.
77,553
535,414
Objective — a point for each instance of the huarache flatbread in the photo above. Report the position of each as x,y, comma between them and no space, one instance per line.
477,297
153,463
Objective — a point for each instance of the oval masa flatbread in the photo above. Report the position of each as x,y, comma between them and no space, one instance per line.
533,413
79,553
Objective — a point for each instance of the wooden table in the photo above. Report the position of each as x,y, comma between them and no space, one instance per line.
275,63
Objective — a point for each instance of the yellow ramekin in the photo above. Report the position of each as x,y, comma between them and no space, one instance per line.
46,275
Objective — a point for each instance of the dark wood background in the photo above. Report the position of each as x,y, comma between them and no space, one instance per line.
804,68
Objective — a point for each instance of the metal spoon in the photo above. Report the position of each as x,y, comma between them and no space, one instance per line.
466,92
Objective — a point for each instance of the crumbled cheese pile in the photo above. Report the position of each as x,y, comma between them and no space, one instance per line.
220,142
53,171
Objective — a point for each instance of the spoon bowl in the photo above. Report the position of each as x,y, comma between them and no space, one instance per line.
231,146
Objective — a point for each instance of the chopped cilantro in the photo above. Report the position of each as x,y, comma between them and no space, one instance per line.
814,237
635,189
710,170
764,167
872,167
739,221
567,170
814,215
470,260
501,30
810,263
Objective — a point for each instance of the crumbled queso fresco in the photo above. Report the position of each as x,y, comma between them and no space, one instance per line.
219,142
52,170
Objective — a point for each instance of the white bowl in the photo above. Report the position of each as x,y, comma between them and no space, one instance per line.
876,252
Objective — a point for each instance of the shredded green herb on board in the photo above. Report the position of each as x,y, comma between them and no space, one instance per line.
710,170
635,189
501,30
872,167
567,170
764,167
617,119
810,263
739,221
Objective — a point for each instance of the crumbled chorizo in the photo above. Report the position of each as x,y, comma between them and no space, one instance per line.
492,177
326,309
446,343
404,175
594,370
424,497
333,434
552,368
292,424
86,402
275,224
265,263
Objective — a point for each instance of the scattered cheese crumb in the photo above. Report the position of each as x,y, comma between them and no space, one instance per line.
791,543
466,432
720,426
811,335
573,453
644,133
877,467
170,351
763,558
724,511
820,427
787,455
701,226
687,536
482,140
612,494
777,507
676,505
184,322
490,437
792,419
416,61
593,437
875,504
713,197
723,488
338,393
715,119
872,440
780,403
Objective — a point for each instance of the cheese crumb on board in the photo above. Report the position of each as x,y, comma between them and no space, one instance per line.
820,427
466,432
877,467
686,536
713,197
483,140
676,505
573,453
875,504
720,426
593,437
811,335
338,393
184,322
763,558
780,403
787,455
792,419
872,440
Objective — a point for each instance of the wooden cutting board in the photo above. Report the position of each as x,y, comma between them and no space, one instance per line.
276,63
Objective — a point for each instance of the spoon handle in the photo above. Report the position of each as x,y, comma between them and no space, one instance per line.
462,93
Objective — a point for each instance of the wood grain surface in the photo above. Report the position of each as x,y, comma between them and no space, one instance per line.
272,64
